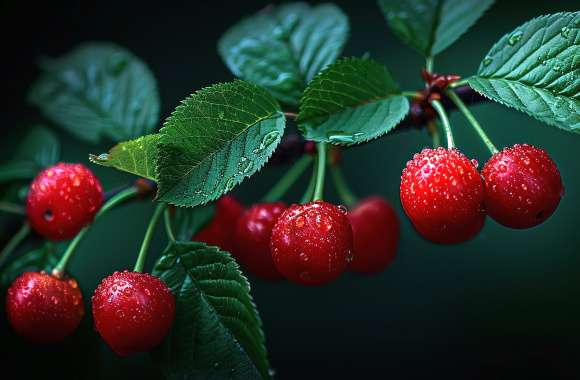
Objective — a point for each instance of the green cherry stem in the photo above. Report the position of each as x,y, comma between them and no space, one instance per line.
12,208
472,120
346,195
445,121
121,197
429,64
409,94
291,176
435,135
168,225
14,242
320,172
140,263
310,188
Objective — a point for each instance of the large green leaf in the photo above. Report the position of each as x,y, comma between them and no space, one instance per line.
97,90
431,26
536,70
281,48
212,141
39,149
135,156
217,332
43,258
352,101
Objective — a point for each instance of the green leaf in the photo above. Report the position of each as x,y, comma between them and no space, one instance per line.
188,221
536,69
281,48
352,101
39,149
217,332
98,90
135,156
431,26
44,258
212,141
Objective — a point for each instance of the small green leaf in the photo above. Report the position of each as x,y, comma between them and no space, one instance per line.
281,48
188,221
39,149
134,156
44,258
212,141
98,90
536,69
431,26
217,332
352,101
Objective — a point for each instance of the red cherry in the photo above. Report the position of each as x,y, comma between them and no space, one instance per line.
522,186
133,311
252,239
43,308
442,194
62,200
312,243
375,231
220,230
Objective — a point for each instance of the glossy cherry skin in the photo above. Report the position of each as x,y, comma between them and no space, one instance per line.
252,239
523,186
375,231
133,311
62,200
311,244
220,230
442,193
43,308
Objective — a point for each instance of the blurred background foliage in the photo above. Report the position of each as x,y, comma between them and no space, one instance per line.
503,305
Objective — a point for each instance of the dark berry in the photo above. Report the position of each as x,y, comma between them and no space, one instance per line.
220,230
375,231
252,239
43,308
133,311
442,194
62,200
311,244
522,186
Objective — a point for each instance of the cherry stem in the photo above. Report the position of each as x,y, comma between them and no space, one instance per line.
14,242
344,191
445,120
12,208
291,115
472,120
320,172
429,64
291,176
117,199
310,188
434,132
409,94
168,225
140,263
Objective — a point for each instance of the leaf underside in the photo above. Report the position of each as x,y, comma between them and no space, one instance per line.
135,156
536,69
352,101
212,141
431,26
98,90
217,332
281,48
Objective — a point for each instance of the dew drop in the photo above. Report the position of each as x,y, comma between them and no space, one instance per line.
230,184
245,165
487,61
343,209
474,162
515,38
565,31
270,138
48,215
340,137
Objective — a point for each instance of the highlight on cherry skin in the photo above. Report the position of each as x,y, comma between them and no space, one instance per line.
312,244
252,239
62,200
442,193
376,232
523,186
132,311
43,308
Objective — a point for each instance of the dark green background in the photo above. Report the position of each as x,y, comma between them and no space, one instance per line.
501,306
